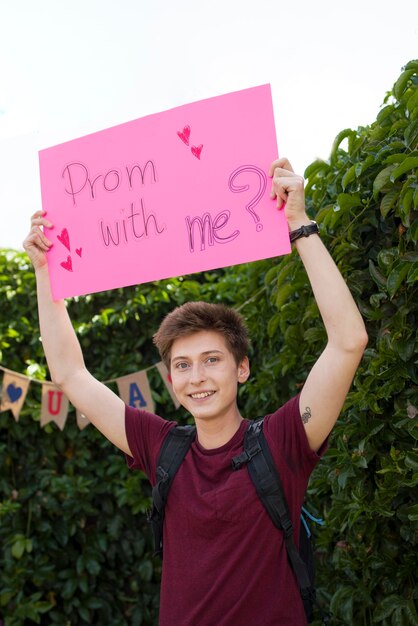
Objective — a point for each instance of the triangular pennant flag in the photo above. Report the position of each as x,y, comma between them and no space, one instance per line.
82,420
15,388
54,405
163,371
135,391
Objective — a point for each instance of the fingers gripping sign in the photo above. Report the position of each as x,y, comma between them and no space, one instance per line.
288,188
37,243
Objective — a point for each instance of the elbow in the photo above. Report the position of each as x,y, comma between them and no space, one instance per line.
363,340
357,341
58,381
351,338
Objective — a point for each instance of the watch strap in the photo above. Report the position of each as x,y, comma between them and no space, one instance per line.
304,231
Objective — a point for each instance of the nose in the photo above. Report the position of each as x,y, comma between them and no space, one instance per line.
197,374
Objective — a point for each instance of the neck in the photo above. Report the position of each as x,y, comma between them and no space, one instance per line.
218,431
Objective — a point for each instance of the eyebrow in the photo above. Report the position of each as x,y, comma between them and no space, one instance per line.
205,353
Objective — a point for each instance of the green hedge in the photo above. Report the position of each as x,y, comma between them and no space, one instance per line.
76,547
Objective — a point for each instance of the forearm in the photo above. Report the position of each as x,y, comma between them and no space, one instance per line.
60,344
342,320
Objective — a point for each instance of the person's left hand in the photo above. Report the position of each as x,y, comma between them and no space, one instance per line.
288,188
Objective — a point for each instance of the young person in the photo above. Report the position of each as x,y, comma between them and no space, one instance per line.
224,562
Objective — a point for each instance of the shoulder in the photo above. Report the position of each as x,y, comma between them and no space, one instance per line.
286,437
145,433
284,415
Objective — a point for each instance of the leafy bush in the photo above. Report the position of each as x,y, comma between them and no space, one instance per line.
365,200
76,546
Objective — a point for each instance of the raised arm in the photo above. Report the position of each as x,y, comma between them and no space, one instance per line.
329,380
62,349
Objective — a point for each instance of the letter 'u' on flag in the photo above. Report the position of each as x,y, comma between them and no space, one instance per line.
15,388
135,391
163,371
54,406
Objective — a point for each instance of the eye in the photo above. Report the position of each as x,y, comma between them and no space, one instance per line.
181,365
212,359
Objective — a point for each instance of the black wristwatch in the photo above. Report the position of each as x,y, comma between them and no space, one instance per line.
304,231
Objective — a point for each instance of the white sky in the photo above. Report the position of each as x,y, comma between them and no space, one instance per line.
75,67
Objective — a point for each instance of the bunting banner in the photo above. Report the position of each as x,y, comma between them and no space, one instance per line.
15,388
134,390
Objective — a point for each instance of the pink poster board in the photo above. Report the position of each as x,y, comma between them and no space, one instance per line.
165,195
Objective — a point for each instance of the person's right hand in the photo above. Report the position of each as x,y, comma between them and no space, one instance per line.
36,243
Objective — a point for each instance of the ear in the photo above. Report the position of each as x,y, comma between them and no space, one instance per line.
170,380
243,370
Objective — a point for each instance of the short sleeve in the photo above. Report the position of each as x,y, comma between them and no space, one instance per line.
288,442
145,433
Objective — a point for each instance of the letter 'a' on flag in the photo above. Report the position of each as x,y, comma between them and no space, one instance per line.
54,406
14,390
135,391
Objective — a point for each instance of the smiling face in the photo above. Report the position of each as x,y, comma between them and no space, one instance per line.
205,375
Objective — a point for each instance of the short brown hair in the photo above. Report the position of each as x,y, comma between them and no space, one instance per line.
193,317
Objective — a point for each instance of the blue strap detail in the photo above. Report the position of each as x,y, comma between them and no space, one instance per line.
317,520
308,530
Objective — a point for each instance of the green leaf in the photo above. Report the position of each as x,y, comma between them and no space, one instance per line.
410,163
388,201
386,608
413,231
397,158
411,461
396,278
412,65
145,570
283,294
382,179
402,83
347,201
413,274
364,165
349,176
377,276
317,166
273,324
18,547
384,113
405,348
413,513
337,141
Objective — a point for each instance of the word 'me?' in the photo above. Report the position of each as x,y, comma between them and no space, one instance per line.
207,229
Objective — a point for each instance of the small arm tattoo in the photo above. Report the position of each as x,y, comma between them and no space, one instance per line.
306,416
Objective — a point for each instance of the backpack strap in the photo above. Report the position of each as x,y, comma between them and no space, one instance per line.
268,485
175,447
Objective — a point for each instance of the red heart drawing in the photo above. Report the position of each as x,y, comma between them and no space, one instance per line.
78,250
64,238
67,265
184,135
197,151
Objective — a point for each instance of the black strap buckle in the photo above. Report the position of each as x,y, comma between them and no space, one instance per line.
162,475
238,461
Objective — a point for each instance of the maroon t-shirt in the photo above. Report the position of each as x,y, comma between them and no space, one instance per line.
225,563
